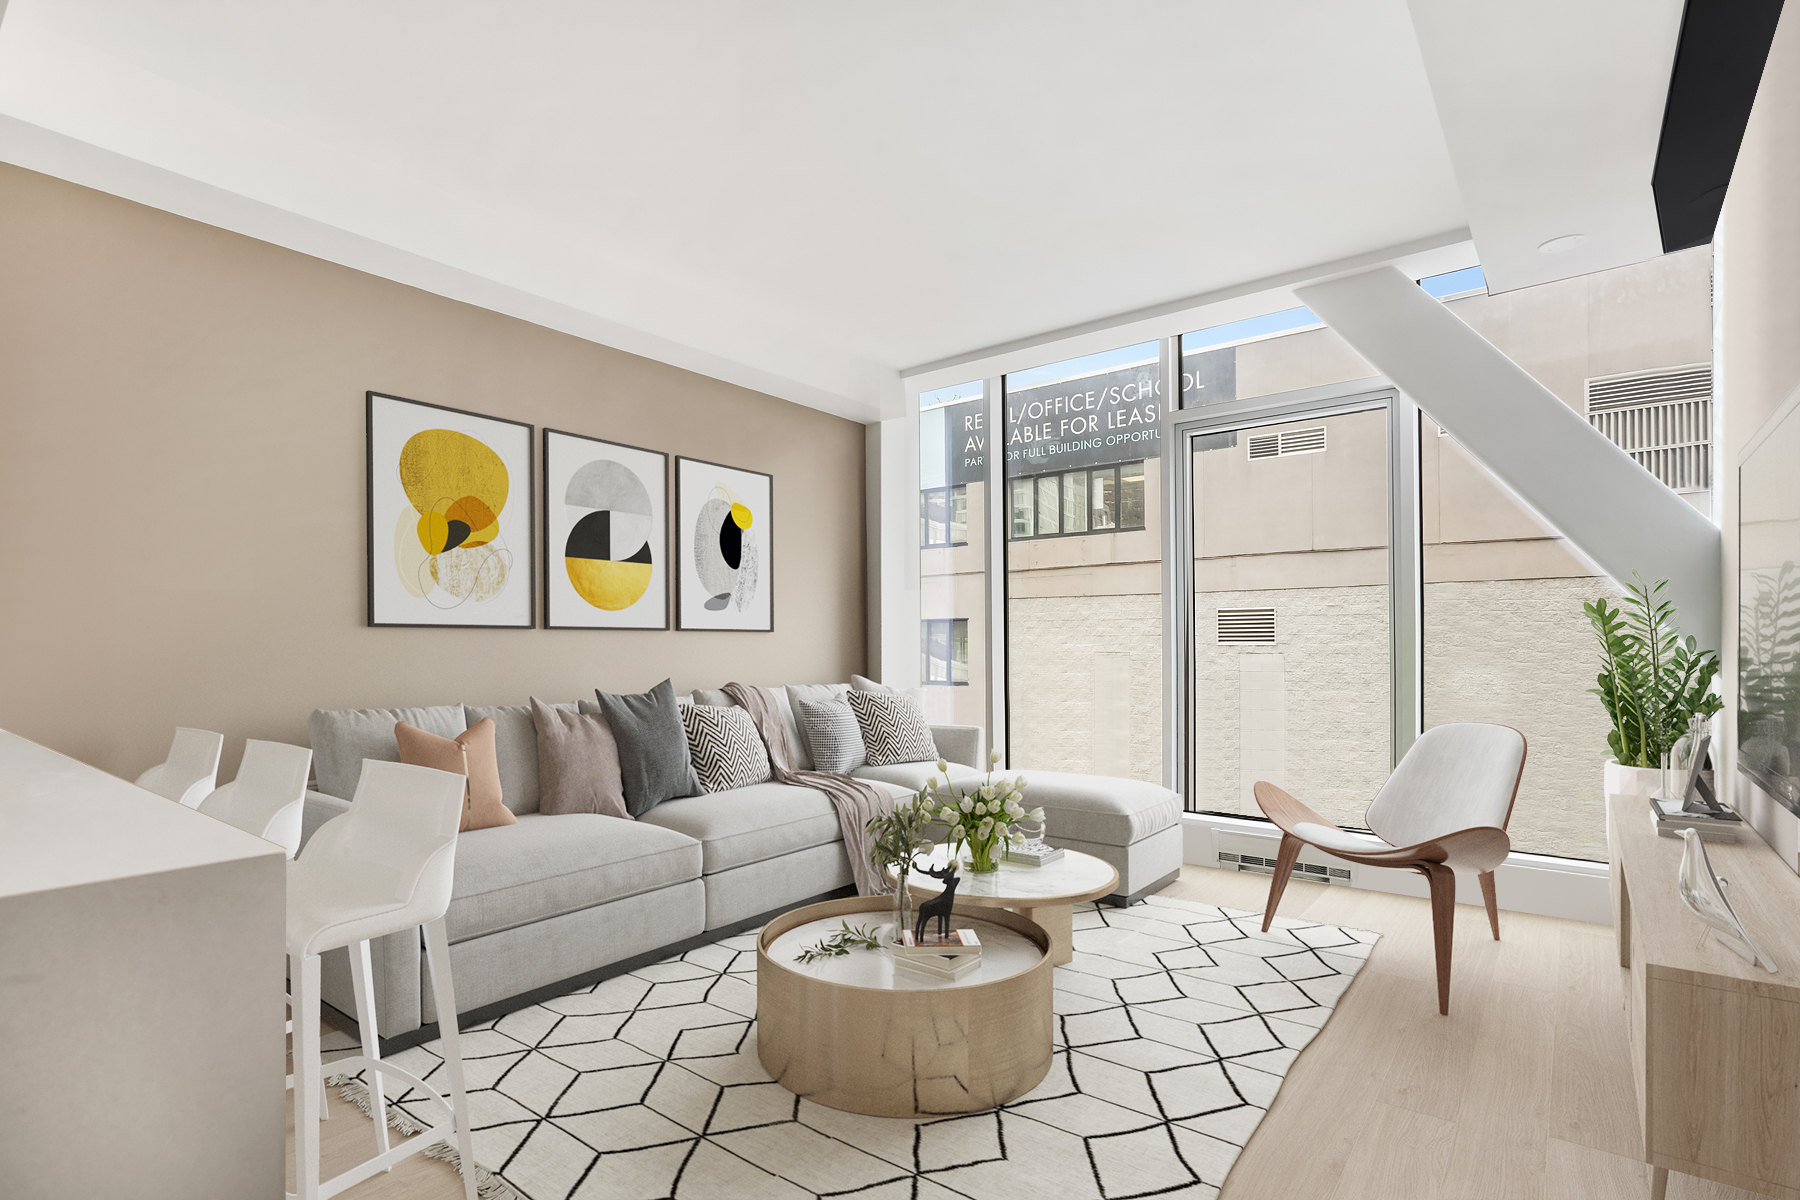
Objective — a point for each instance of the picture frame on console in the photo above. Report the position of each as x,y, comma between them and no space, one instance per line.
450,538
606,534
724,575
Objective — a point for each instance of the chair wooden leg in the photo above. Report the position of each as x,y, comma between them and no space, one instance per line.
1285,859
1443,925
363,985
437,957
1493,906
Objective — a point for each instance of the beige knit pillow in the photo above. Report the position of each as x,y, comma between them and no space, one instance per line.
578,763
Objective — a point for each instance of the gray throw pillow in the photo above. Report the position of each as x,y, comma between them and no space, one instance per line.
654,761
727,750
831,733
893,729
577,763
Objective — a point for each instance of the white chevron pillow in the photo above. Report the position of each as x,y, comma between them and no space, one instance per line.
893,728
727,751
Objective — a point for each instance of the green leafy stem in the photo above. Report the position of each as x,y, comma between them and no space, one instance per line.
850,937
1651,678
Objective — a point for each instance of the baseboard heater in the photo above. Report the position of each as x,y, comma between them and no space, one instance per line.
1256,853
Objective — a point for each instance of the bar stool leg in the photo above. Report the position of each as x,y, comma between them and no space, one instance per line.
306,1075
437,952
362,983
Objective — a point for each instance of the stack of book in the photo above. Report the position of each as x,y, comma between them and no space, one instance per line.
939,958
1033,856
1713,825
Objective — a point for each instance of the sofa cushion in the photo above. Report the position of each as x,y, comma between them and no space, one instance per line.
546,866
802,756
469,754
893,729
578,763
912,776
727,750
832,737
1100,808
342,738
515,746
654,760
749,824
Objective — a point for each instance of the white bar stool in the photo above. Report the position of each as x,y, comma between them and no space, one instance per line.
191,769
268,795
383,867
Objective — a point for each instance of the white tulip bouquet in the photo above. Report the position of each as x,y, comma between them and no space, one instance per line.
984,818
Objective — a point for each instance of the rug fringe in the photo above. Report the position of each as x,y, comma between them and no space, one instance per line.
488,1186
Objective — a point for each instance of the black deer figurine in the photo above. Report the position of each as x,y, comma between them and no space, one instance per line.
939,905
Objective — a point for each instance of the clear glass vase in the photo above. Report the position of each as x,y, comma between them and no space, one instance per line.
903,906
983,859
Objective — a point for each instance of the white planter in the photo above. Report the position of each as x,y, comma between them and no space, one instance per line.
1632,781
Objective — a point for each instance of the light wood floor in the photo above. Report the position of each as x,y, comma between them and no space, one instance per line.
1522,1093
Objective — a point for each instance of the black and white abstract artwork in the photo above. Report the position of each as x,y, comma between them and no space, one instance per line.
724,533
1176,1023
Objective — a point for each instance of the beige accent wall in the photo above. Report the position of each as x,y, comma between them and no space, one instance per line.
182,476
1758,302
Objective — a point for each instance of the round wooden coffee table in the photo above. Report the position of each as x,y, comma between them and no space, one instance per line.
856,1033
1047,895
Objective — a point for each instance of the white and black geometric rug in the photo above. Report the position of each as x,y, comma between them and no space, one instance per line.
1176,1023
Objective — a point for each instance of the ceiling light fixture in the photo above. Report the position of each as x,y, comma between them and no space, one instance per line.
1557,245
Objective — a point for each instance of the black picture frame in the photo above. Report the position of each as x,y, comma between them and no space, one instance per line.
668,535
679,522
529,620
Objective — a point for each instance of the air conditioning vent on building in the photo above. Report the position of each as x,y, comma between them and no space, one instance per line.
1246,627
1293,441
1663,419
1256,854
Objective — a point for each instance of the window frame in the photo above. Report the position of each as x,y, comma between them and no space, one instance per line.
951,494
952,628
1032,484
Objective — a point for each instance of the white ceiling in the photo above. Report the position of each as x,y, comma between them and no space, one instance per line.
805,197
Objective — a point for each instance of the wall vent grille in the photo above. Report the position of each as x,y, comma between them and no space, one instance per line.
1246,627
1256,853
1292,441
1663,419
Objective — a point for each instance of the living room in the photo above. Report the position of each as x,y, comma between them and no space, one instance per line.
878,611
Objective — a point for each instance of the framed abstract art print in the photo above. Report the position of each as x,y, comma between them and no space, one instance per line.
724,547
450,537
606,534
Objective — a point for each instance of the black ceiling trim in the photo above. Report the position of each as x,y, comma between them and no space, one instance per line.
1718,65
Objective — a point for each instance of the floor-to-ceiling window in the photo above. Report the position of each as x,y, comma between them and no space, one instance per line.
953,634
1083,560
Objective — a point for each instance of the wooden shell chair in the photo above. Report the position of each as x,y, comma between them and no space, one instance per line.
1443,810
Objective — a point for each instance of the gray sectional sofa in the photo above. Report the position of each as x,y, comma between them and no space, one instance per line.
555,899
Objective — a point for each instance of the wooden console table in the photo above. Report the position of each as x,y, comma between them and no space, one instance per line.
1715,1041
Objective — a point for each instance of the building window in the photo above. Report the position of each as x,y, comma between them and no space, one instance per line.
944,516
1091,500
946,652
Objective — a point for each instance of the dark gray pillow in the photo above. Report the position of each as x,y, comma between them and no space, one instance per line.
831,734
654,763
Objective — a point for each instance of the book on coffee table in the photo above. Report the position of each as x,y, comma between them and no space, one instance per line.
930,968
1033,856
961,944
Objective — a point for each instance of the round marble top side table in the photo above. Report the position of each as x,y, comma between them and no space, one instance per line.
1047,895
856,1033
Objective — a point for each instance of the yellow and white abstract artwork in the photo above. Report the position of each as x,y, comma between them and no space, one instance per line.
449,517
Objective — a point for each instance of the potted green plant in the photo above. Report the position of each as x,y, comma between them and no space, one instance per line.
1652,681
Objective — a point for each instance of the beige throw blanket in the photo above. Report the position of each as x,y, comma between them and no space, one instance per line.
856,802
